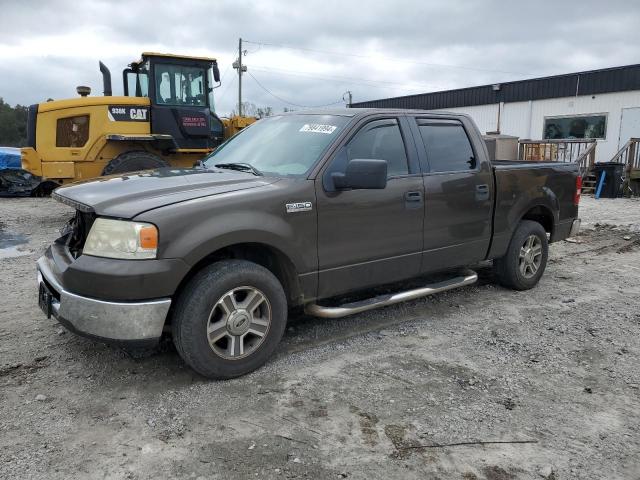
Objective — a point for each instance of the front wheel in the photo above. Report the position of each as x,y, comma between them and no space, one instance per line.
526,257
229,319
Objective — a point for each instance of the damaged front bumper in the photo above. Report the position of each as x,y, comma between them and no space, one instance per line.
135,322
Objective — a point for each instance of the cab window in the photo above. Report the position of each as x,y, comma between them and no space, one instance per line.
447,145
137,84
179,85
378,140
381,140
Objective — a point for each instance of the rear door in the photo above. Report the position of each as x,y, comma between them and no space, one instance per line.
371,237
458,184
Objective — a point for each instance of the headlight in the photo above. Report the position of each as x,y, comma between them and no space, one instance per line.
121,239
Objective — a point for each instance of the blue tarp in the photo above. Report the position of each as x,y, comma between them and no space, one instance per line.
10,158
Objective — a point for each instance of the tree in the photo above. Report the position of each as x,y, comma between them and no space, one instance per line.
13,125
264,112
251,110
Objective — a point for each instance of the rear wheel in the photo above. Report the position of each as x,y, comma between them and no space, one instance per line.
133,162
229,319
526,257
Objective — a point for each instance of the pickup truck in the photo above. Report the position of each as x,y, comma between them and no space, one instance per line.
298,210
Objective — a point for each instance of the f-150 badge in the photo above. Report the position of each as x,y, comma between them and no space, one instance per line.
299,207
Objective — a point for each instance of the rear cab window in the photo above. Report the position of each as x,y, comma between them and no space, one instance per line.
447,146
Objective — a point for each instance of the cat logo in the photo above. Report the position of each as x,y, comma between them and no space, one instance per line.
124,113
138,114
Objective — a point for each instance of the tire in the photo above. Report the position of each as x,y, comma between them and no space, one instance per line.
520,272
133,161
44,189
204,304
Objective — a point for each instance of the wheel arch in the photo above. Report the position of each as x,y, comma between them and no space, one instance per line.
542,214
268,256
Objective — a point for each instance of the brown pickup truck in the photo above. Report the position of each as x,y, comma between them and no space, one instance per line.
298,210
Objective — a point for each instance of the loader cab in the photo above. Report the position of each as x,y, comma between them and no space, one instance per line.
180,90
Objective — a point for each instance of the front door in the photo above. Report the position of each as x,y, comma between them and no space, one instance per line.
179,105
629,125
458,194
370,237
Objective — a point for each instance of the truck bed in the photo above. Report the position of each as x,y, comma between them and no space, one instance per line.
519,183
517,164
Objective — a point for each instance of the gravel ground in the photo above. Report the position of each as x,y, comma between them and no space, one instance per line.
550,376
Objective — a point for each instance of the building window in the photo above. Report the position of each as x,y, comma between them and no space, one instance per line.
72,131
582,126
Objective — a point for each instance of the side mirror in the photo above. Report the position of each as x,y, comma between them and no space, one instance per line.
216,72
362,173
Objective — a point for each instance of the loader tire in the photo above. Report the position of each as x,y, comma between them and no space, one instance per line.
133,162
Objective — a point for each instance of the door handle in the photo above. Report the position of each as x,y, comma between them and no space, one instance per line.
413,196
413,200
482,192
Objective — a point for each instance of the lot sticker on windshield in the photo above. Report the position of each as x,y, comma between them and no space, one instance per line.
318,128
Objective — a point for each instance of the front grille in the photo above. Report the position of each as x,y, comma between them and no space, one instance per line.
75,232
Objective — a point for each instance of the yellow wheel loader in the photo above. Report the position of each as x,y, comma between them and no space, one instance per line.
165,118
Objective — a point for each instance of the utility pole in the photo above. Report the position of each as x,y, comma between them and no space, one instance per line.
241,69
348,94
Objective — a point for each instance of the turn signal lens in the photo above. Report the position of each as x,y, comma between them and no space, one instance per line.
149,237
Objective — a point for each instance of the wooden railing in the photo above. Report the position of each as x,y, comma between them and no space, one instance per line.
629,154
579,150
586,160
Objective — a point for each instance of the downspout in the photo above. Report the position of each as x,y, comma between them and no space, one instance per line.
500,106
529,124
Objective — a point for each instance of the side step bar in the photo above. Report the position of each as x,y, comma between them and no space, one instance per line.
465,278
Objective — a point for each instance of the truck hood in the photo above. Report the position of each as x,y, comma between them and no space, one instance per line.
128,195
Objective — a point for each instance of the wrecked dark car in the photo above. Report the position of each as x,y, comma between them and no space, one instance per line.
298,210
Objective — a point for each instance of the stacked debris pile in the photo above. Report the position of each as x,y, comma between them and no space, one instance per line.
14,180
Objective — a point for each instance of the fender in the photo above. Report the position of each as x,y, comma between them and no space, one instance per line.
195,229
240,228
515,199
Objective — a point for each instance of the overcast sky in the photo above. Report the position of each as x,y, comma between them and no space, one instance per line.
311,52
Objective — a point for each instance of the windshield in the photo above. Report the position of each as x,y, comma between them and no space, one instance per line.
281,145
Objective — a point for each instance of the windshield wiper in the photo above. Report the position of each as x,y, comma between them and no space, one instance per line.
242,167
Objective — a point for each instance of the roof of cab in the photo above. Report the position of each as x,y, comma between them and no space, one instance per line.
352,112
172,55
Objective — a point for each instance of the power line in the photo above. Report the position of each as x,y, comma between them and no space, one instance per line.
226,70
358,55
286,101
225,89
225,86
357,81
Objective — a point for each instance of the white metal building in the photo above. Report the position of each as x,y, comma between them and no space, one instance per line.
602,104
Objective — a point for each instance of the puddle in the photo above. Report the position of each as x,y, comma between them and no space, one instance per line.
11,245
